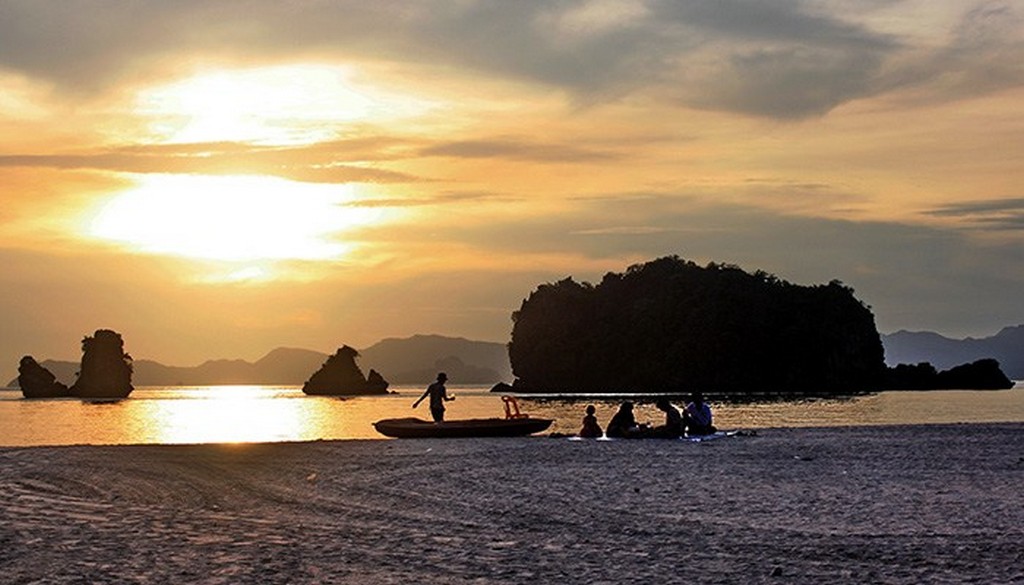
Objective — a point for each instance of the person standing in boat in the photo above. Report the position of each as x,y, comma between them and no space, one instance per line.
438,396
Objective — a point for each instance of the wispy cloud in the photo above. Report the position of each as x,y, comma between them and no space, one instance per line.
318,163
637,230
359,160
979,55
518,149
435,199
999,214
783,59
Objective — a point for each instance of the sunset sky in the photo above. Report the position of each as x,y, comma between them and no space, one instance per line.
216,179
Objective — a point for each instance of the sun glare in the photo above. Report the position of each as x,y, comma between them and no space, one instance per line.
235,414
281,105
234,218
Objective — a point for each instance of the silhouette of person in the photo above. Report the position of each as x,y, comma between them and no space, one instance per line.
697,416
590,430
438,396
674,425
623,424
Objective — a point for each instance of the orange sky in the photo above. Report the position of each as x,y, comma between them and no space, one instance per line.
217,179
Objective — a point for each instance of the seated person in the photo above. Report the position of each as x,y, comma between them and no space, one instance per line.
697,416
591,430
623,424
674,426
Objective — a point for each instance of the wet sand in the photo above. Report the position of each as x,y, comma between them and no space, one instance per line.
889,504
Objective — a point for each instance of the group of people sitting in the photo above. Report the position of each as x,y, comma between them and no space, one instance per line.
695,419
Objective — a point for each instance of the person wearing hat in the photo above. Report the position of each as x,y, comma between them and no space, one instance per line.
438,396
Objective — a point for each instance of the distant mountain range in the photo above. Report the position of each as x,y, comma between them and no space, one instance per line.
413,360
417,359
912,347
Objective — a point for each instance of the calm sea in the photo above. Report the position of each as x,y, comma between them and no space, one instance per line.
216,414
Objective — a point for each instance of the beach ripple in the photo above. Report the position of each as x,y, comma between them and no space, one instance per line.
900,504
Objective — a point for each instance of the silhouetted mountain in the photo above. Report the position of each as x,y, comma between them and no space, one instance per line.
414,360
418,359
912,347
283,365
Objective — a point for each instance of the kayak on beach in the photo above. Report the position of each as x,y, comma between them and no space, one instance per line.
414,428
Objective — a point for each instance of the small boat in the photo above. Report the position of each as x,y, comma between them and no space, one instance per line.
415,428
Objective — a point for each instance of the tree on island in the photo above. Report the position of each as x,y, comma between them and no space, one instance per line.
106,370
340,376
670,325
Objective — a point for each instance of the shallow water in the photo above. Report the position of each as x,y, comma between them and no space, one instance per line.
218,414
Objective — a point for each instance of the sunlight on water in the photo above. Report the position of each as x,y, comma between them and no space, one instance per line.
234,414
239,414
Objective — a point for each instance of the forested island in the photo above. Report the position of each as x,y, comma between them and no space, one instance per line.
670,325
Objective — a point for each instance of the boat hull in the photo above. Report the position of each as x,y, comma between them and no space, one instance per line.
414,428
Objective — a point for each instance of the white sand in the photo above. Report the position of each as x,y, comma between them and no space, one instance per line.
922,504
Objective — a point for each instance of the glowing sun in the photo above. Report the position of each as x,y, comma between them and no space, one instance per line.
235,218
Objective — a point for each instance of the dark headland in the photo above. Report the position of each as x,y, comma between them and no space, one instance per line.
672,326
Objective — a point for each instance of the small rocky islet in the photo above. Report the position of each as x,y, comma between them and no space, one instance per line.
341,376
105,371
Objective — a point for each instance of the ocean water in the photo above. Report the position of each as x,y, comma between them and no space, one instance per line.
230,414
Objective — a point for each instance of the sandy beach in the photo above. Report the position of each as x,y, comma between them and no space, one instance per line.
887,504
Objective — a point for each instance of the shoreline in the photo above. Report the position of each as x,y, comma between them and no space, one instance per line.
741,433
894,504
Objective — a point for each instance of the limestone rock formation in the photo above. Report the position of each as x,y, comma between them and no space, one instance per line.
106,370
672,326
375,383
37,382
340,376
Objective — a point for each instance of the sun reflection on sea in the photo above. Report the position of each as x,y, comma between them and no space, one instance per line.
236,414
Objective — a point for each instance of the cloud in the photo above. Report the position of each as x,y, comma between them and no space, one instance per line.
784,59
436,199
774,21
790,82
997,214
979,55
342,161
318,163
517,149
636,230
